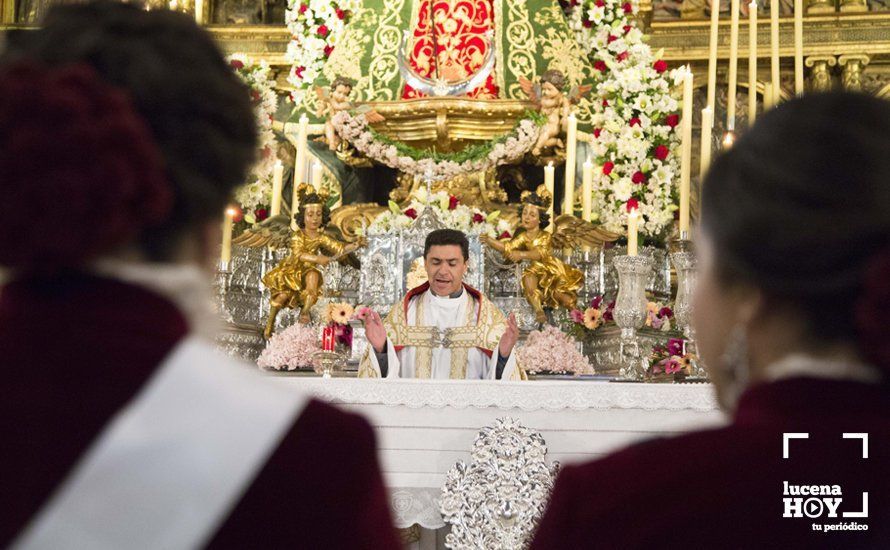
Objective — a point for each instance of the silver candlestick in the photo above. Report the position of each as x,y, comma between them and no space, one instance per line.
686,266
630,312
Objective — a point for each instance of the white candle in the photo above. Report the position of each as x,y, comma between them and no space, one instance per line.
752,62
774,52
199,11
300,162
316,175
225,255
277,184
712,53
798,47
632,219
685,152
571,153
733,64
707,122
548,184
587,190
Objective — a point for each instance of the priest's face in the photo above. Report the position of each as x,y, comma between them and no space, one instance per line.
445,268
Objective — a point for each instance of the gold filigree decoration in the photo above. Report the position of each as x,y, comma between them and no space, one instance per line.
521,37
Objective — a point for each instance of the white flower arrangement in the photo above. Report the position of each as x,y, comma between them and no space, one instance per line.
316,27
635,123
355,130
257,191
454,215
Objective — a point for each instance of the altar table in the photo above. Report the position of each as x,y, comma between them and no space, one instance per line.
424,426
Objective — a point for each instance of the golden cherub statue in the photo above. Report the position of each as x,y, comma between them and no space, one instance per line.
297,281
548,282
329,104
551,100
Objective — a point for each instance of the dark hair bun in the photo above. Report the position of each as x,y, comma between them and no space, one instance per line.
80,172
871,312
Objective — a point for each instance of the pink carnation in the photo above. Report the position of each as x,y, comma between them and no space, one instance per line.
551,350
290,349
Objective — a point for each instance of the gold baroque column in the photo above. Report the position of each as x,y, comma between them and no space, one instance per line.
853,65
693,9
7,11
854,6
820,75
821,6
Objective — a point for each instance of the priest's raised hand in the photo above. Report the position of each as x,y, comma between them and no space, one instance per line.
510,337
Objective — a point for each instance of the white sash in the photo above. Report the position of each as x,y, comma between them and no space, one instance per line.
168,468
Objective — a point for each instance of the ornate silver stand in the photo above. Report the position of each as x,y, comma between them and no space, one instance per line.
630,312
685,264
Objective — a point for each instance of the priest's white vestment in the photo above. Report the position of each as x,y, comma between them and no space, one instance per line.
429,336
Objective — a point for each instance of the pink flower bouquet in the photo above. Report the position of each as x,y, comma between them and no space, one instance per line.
290,349
551,350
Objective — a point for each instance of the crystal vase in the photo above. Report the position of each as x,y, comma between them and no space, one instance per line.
630,312
686,266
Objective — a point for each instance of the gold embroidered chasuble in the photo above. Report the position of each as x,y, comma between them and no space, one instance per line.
413,341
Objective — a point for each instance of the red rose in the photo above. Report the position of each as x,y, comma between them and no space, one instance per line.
600,4
452,202
340,14
621,57
605,103
666,312
478,218
261,214
661,152
597,132
328,50
504,235
600,66
303,8
635,121
627,8
587,23
627,28
238,214
299,71
672,120
255,95
411,213
236,64
322,31
632,204
607,168
612,38
638,177
660,66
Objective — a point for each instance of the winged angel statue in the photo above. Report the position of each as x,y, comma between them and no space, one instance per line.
550,98
548,281
297,281
333,101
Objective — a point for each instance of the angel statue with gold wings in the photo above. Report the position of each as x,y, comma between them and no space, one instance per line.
297,281
547,281
550,98
336,99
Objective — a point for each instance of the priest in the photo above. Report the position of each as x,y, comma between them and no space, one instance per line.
443,329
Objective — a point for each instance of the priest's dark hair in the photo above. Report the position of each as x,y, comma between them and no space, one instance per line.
174,78
800,208
444,237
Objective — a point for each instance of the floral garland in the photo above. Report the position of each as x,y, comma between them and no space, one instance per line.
254,196
316,27
634,123
453,215
551,350
426,163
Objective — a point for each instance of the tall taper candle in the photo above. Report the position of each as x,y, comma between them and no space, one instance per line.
712,53
316,175
707,122
686,152
548,184
632,231
277,184
798,47
568,206
300,162
752,62
199,11
225,255
774,52
733,64
587,190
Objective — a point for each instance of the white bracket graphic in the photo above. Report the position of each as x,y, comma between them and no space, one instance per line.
863,437
791,435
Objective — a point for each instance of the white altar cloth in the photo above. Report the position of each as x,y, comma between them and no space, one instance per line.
424,426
